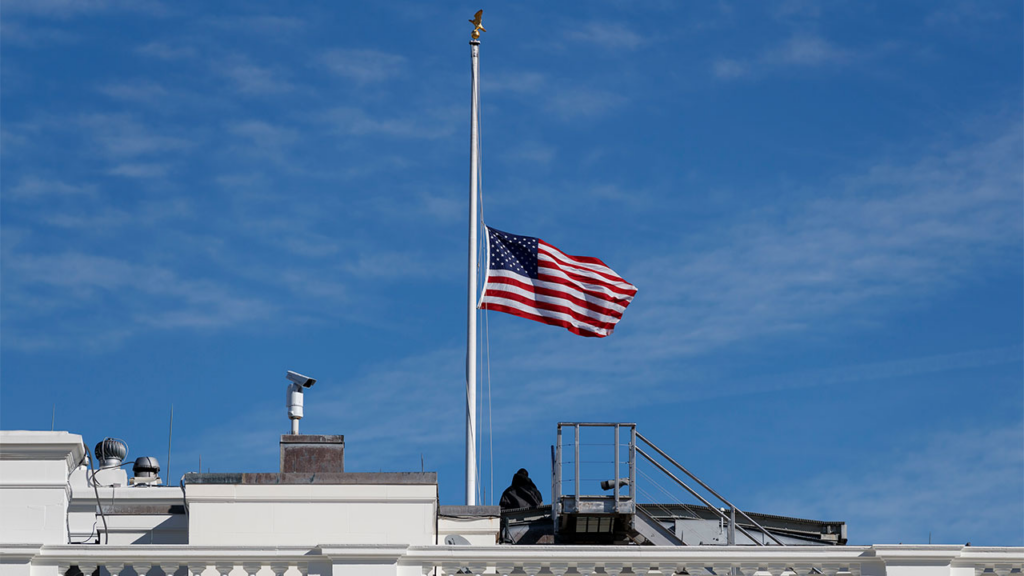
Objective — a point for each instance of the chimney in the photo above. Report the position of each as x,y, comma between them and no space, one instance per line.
312,453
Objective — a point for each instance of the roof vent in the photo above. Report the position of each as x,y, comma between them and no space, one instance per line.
146,470
111,452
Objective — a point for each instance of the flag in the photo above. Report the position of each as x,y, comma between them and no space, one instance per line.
530,278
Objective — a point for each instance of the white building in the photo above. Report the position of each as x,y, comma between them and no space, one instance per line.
313,518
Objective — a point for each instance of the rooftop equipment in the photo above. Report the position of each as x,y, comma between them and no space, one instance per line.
294,397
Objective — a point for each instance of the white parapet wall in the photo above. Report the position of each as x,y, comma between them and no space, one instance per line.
299,514
34,489
402,560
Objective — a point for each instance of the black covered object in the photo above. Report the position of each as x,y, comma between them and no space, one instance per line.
522,493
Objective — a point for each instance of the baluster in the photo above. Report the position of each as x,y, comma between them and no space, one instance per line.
586,569
196,568
559,569
640,568
532,569
613,569
88,568
114,568
503,569
142,568
224,568
168,568
279,568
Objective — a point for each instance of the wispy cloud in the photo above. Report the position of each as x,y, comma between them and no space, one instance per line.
165,51
358,122
800,50
144,91
572,103
32,187
363,66
611,35
953,482
18,33
525,82
70,8
140,170
121,135
893,232
250,78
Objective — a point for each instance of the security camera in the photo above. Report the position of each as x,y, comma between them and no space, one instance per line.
301,380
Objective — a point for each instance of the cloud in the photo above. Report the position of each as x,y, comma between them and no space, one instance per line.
265,139
960,483
728,69
357,122
120,135
69,8
611,35
142,91
148,295
531,152
265,25
252,79
523,82
165,51
572,103
151,170
32,36
363,66
806,51
894,233
801,50
32,188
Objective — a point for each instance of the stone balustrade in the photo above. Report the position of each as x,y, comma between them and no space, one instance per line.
401,560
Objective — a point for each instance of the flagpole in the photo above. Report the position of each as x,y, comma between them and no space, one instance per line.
474,163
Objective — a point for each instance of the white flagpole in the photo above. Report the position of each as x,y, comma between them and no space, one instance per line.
474,162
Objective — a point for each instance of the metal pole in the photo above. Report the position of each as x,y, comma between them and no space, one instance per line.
615,478
632,463
576,463
709,489
474,163
556,489
694,492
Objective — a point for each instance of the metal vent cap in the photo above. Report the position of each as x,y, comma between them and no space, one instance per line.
146,467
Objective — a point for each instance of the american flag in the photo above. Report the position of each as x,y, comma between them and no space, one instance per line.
530,278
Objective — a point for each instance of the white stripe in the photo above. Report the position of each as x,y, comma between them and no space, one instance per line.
559,255
561,288
595,287
552,300
586,272
546,314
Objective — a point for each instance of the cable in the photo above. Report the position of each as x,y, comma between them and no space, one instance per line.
99,505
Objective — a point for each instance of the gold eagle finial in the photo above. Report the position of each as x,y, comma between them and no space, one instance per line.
477,26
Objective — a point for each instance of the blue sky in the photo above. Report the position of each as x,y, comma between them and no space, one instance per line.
820,205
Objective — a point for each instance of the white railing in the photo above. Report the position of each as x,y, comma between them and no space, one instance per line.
401,560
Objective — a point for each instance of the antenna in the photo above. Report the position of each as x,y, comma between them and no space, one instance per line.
170,431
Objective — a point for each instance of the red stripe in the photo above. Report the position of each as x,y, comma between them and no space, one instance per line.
551,307
555,293
543,319
576,281
585,279
587,259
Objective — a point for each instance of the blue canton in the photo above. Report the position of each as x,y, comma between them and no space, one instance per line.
513,253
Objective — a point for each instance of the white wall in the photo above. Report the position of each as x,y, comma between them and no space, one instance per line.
309,514
34,489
